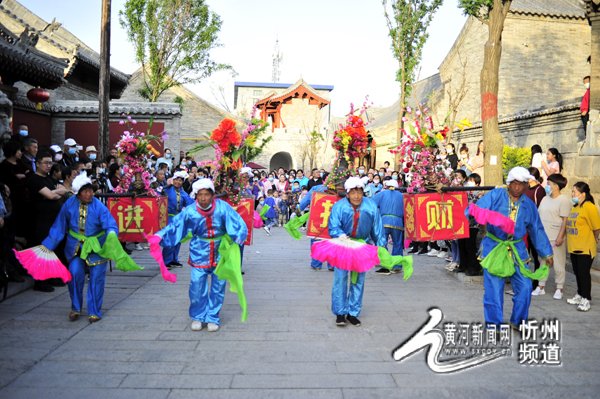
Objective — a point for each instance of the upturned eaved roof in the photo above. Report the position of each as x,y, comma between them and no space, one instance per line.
53,39
21,62
571,9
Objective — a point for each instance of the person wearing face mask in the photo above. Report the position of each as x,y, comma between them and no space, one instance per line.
20,134
209,219
57,153
70,153
452,157
91,153
374,187
361,171
584,108
167,159
583,228
554,211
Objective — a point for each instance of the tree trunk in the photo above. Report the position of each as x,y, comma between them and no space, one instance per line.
492,139
401,115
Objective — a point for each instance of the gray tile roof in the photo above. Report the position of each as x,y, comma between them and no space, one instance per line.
550,8
117,107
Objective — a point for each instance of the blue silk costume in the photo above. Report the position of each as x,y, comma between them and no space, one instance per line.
363,223
391,207
320,188
527,221
175,204
207,227
90,220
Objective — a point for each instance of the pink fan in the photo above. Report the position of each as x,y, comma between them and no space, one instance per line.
346,254
485,216
42,264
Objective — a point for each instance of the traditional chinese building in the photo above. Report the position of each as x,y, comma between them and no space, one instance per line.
295,113
44,55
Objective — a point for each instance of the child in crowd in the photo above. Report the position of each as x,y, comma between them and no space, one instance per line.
271,214
283,208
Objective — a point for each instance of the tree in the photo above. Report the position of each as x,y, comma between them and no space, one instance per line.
407,22
492,12
172,40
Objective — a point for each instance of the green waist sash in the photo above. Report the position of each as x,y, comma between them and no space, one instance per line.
112,249
501,260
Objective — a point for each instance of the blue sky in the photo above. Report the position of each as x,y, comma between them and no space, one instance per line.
343,43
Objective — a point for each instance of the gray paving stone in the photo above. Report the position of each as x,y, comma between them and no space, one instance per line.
288,348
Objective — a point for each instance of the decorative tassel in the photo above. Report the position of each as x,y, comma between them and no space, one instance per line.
230,268
42,264
156,253
294,224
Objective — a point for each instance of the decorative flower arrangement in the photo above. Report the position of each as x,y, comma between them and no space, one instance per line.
232,151
423,167
135,146
350,140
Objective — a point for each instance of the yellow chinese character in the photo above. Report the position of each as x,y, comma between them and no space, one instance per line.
439,215
130,219
326,211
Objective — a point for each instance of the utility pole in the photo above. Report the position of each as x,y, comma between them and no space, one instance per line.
104,84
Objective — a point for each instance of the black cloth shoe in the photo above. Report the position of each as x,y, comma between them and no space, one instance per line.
383,271
459,270
340,320
56,282
413,250
474,272
42,286
176,264
353,320
423,252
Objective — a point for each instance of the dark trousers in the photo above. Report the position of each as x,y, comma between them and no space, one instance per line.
467,251
584,119
536,261
581,267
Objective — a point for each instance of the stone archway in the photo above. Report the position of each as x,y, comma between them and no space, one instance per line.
281,160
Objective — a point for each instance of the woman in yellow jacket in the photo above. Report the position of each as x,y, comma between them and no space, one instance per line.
583,227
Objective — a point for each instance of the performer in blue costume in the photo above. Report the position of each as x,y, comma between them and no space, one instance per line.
80,217
209,219
512,203
356,217
319,188
391,207
177,200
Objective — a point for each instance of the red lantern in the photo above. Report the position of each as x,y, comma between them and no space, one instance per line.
38,96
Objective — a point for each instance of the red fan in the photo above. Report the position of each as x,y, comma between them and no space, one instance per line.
42,264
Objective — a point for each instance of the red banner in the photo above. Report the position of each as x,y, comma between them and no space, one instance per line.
430,217
245,208
138,215
320,209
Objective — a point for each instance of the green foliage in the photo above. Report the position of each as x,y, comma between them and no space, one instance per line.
515,156
407,22
172,40
476,8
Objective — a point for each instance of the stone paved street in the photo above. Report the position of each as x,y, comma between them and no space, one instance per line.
288,348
